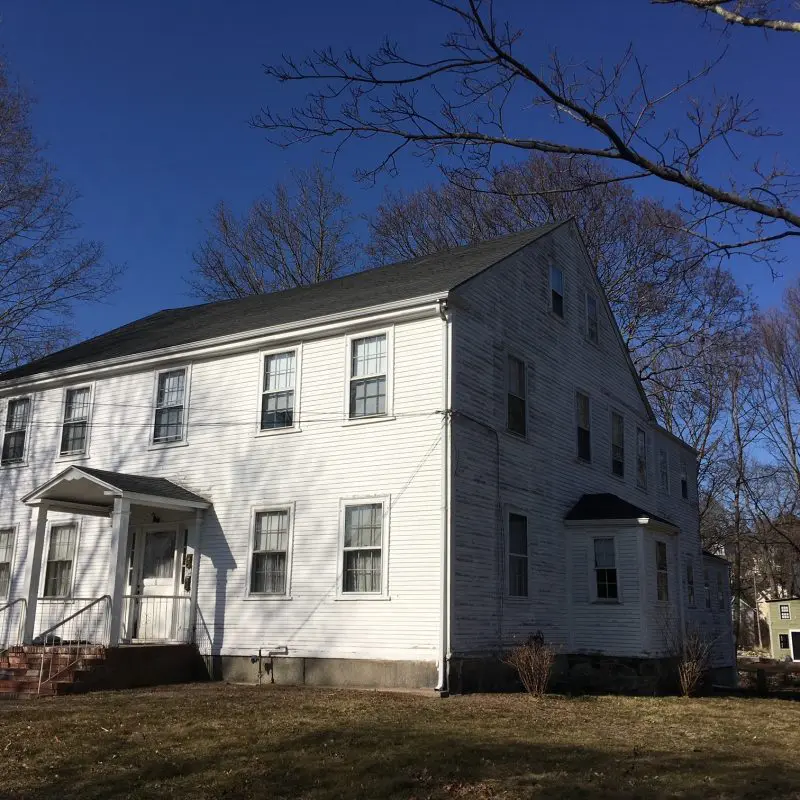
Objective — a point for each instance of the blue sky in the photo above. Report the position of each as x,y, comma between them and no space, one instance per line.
144,107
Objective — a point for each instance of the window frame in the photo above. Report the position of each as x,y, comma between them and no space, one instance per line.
76,456
615,413
578,428
641,484
14,529
593,569
515,512
75,522
364,500
788,608
187,386
297,349
658,544
509,394
663,470
388,332
23,461
691,597
562,294
266,508
587,318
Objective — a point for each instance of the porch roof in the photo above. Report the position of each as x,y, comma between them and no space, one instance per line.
92,491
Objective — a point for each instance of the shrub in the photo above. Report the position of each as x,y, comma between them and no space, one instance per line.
533,662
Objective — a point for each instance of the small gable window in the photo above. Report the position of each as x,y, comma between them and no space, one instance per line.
557,291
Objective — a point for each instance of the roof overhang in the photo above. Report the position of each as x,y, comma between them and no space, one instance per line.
75,490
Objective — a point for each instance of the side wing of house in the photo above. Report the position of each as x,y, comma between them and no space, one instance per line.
547,411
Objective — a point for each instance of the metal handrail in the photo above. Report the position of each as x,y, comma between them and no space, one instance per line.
77,644
20,624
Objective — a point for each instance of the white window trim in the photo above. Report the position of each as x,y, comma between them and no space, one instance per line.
349,338
625,451
510,354
593,598
508,511
263,508
187,393
563,292
297,349
590,460
61,523
661,487
14,528
85,454
3,416
344,502
586,295
636,459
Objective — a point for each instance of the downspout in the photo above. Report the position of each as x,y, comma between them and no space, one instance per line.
444,642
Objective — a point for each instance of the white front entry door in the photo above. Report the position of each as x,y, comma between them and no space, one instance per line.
158,570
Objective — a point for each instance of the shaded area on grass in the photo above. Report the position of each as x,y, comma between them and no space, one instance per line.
222,741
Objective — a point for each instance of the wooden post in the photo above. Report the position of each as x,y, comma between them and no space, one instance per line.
119,566
35,565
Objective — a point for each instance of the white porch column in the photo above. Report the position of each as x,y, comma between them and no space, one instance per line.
121,517
197,537
35,566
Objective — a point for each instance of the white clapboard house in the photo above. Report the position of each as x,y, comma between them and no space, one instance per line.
383,479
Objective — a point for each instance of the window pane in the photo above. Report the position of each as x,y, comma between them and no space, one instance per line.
170,388
368,397
363,525
369,356
362,571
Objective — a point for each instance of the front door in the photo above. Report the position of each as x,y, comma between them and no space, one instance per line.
155,584
795,639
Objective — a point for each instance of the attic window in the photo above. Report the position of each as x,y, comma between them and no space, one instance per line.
557,291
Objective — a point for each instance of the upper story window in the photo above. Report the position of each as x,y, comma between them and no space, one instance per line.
278,395
690,583
169,423
517,555
663,470
662,574
557,291
362,549
369,367
592,319
6,555
641,459
707,588
75,427
270,559
605,569
60,558
617,444
584,427
16,430
517,402
784,611
684,481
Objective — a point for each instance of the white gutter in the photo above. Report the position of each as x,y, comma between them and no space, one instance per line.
444,642
237,342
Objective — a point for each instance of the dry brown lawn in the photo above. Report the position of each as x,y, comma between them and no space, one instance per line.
219,741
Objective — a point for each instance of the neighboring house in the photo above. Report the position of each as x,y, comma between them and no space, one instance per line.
383,479
784,629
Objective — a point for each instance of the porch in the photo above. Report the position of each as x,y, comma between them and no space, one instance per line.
150,594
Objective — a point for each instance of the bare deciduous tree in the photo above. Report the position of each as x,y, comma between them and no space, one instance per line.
482,91
299,235
45,268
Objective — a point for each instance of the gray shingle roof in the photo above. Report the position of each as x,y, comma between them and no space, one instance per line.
180,326
144,484
607,506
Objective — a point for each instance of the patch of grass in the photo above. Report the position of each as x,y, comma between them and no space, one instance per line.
219,741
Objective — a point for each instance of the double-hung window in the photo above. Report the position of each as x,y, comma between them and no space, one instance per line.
6,555
60,559
362,549
75,428
690,583
557,291
684,481
584,426
170,424
641,459
662,574
617,444
369,365
663,470
605,569
517,555
278,395
707,588
517,402
269,567
16,430
785,613
592,319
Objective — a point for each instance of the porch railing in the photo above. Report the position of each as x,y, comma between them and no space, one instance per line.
157,618
12,623
69,640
